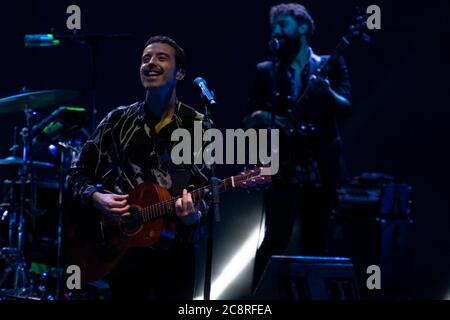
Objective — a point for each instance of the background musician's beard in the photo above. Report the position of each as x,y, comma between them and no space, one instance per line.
289,47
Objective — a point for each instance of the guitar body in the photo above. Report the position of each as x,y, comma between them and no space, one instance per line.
96,243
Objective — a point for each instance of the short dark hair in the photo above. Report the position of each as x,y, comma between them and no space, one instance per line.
298,12
180,56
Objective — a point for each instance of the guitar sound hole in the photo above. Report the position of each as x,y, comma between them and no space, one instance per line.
131,224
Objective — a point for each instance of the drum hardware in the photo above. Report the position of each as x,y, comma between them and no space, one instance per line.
25,101
17,162
60,124
8,256
55,128
9,212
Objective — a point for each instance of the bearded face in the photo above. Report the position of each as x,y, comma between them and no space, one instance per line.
290,44
289,34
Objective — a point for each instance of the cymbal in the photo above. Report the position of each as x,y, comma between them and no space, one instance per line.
17,162
36,100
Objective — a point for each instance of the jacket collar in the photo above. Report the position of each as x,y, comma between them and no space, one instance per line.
143,114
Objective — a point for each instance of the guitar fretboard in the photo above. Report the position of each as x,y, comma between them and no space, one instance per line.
168,206
324,68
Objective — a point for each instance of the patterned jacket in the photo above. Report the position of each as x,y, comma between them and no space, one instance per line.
129,147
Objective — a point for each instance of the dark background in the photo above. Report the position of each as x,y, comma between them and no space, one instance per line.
399,125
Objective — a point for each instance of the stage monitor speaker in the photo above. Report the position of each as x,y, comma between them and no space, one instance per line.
307,278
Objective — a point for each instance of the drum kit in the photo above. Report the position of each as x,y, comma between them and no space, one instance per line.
34,190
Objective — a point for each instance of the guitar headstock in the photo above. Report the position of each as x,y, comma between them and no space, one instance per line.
251,178
358,27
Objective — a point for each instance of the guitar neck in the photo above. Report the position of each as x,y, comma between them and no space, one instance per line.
168,206
324,69
322,72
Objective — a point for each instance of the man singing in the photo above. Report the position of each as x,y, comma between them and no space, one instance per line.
132,145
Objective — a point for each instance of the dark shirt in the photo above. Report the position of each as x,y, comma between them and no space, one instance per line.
126,150
313,160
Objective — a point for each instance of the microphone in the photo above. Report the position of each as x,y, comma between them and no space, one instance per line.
206,94
41,40
274,45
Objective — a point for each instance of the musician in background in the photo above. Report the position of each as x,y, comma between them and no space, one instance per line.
132,145
310,160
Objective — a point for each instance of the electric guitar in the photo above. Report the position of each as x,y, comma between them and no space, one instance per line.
96,243
357,29
294,123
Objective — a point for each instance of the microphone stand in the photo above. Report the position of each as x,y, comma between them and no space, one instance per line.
22,280
92,40
216,201
62,149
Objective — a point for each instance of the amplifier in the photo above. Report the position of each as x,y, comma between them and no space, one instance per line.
374,193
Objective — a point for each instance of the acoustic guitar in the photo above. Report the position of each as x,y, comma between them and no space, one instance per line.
96,243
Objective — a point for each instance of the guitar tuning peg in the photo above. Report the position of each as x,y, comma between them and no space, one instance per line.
366,37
